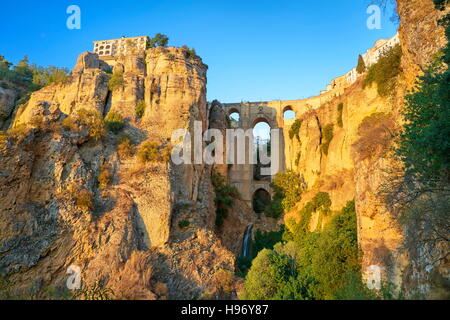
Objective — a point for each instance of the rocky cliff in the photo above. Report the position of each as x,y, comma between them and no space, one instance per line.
127,235
357,162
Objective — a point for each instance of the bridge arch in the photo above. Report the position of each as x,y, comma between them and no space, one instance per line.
234,117
288,112
261,199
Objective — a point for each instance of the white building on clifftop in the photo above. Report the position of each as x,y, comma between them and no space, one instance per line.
108,49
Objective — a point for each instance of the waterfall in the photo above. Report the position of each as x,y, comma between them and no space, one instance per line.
246,242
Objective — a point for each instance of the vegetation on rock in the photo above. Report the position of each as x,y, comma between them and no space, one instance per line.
295,129
384,73
114,121
376,132
151,151
116,81
310,266
140,108
340,113
159,40
361,67
288,188
327,136
90,120
225,196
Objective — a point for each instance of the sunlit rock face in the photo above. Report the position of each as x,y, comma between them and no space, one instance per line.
125,236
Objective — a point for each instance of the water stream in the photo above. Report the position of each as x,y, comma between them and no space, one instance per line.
246,242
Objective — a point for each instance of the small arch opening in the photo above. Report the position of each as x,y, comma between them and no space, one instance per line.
234,119
261,201
289,113
262,147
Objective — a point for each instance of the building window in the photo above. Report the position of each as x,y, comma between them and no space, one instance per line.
100,53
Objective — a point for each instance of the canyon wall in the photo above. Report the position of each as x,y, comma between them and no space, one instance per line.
128,236
358,162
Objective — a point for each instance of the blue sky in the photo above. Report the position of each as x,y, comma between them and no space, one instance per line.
256,49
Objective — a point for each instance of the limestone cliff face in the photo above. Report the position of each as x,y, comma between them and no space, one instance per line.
8,98
358,162
130,237
420,34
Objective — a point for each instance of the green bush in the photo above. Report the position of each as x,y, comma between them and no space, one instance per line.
140,108
327,136
265,240
320,203
159,40
114,121
288,188
183,224
125,147
153,152
276,276
85,199
26,77
225,196
384,73
116,81
361,65
340,111
295,129
189,53
311,265
297,158
90,120
105,176
376,132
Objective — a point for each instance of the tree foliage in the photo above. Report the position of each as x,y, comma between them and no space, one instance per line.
225,196
288,188
361,68
159,40
384,73
313,265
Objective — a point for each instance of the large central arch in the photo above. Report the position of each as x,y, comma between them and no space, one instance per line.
242,176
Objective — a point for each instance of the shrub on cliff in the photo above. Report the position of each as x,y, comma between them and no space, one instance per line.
116,81
114,121
327,136
189,53
384,73
151,151
288,188
105,176
84,199
361,65
159,40
125,147
419,194
140,108
340,112
295,129
376,132
90,120
225,196
310,265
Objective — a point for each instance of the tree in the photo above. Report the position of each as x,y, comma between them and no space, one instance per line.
159,40
419,193
361,65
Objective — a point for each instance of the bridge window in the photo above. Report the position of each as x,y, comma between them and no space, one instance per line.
234,119
261,200
261,135
289,113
